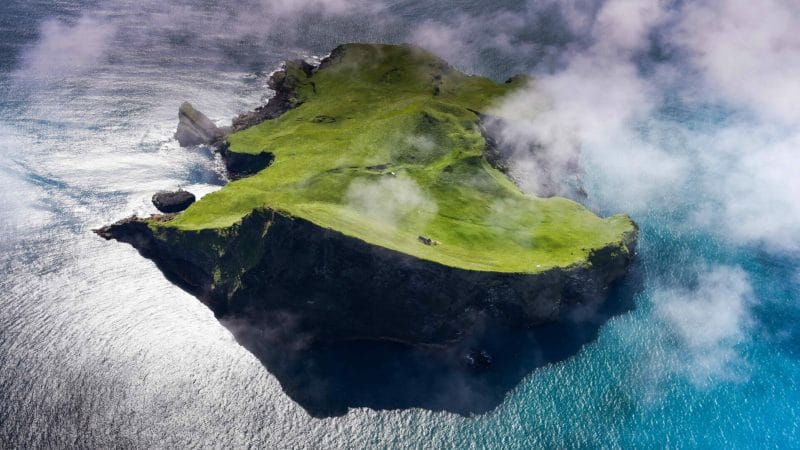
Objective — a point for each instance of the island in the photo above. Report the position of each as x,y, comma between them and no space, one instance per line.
368,202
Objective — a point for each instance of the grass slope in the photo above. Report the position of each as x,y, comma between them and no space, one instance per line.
384,148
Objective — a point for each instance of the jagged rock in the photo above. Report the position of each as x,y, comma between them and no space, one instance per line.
283,82
172,202
194,128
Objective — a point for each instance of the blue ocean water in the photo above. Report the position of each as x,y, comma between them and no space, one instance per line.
98,350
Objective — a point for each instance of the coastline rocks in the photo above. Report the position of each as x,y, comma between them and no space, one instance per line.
284,83
194,128
173,202
240,165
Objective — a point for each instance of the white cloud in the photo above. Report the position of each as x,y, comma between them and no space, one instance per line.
708,322
592,106
65,49
294,7
624,25
539,32
752,183
447,41
265,17
390,199
603,108
69,47
748,52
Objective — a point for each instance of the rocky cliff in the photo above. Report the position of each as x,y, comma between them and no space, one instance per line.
289,272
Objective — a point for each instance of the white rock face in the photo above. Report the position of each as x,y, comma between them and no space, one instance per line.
194,128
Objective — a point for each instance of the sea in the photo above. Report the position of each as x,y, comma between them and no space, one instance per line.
99,350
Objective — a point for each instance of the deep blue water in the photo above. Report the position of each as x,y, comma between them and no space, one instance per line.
97,349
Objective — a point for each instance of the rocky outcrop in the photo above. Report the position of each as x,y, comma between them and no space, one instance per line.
292,273
194,128
284,83
173,202
239,165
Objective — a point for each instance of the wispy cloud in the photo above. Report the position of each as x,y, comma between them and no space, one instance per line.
390,199
748,52
539,33
607,102
68,48
593,104
295,7
708,322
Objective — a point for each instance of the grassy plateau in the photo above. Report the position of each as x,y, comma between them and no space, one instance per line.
383,146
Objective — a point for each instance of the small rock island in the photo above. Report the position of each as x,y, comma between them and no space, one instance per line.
363,206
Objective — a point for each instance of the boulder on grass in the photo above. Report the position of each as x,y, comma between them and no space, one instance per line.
173,202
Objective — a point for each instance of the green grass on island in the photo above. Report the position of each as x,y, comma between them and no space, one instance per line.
384,148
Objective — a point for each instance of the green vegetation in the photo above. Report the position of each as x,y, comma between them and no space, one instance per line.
383,147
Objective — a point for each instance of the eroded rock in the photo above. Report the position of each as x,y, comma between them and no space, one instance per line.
194,128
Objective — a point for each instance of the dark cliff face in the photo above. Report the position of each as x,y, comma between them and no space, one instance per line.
344,324
334,287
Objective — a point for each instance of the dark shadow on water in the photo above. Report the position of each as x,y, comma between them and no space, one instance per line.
327,379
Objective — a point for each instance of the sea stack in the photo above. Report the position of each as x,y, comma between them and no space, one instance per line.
194,128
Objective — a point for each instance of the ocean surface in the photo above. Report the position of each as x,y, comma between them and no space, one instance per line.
98,350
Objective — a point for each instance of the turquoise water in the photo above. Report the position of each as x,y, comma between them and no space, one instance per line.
98,350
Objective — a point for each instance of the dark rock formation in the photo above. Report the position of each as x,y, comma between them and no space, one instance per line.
323,119
194,128
173,202
283,82
239,165
271,267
